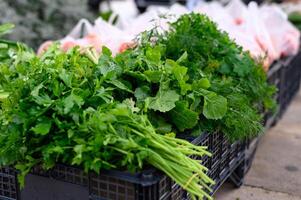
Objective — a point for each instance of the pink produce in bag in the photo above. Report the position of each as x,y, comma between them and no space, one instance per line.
285,37
111,36
256,27
238,10
82,35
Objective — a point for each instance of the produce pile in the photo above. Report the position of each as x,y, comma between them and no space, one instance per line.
99,111
255,28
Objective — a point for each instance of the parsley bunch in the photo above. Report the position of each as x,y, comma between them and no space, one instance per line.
67,108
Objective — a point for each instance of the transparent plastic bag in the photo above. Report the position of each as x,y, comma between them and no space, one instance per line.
285,37
238,10
111,36
83,35
86,35
256,27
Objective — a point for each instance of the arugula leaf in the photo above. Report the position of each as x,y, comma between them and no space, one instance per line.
215,106
164,100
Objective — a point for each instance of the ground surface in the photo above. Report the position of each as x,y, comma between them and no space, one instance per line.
276,170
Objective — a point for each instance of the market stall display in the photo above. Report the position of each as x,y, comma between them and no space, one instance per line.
168,107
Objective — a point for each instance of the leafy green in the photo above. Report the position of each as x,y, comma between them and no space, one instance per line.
215,106
6,28
65,108
183,117
164,100
216,64
42,128
103,112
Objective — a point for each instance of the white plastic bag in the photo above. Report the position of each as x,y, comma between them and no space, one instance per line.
217,13
83,27
155,17
238,11
86,35
285,37
256,27
111,36
83,35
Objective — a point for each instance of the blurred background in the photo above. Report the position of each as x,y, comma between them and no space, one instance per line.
39,20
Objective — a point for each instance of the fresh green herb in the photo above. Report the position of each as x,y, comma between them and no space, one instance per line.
103,112
62,107
213,76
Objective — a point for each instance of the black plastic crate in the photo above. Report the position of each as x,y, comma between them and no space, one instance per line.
290,81
66,183
64,173
230,157
8,184
275,78
143,4
250,153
